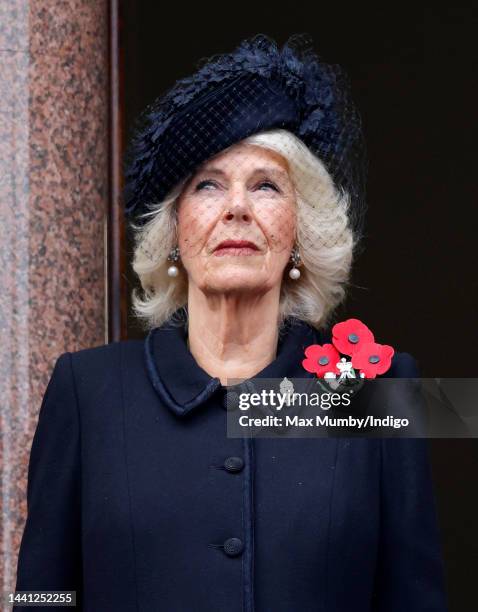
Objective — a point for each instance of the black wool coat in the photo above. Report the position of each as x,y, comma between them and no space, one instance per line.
139,501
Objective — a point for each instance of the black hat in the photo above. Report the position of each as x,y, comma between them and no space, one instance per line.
255,88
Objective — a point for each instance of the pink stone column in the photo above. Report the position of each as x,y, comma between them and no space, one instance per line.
53,203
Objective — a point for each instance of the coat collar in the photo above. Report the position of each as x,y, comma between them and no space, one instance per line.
183,385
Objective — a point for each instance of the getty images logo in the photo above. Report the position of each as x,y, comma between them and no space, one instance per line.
287,397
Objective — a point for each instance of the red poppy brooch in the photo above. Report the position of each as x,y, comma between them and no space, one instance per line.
353,339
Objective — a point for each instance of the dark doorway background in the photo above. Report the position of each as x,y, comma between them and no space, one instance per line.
413,75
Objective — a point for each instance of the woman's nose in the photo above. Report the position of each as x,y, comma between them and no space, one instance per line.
238,206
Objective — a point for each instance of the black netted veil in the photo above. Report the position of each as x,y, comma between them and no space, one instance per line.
255,88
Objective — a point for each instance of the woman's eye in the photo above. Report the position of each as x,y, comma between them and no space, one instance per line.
268,184
204,183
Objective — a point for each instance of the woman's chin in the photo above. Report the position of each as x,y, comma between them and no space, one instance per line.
237,280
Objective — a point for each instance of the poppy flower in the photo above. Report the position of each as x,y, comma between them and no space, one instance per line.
372,359
321,359
349,336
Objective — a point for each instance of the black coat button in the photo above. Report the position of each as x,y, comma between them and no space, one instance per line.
234,464
233,547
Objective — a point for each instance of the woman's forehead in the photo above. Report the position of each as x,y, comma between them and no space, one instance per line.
245,157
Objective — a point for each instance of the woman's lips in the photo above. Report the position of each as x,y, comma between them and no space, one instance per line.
236,247
220,252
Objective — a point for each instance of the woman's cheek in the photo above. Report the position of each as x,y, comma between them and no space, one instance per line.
193,230
280,230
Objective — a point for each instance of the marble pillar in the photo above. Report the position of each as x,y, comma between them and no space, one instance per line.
53,203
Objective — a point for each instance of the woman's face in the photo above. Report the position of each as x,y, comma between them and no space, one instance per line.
243,199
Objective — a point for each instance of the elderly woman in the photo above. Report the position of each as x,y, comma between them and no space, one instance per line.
246,195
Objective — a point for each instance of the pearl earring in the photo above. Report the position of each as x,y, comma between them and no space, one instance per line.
294,272
173,271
